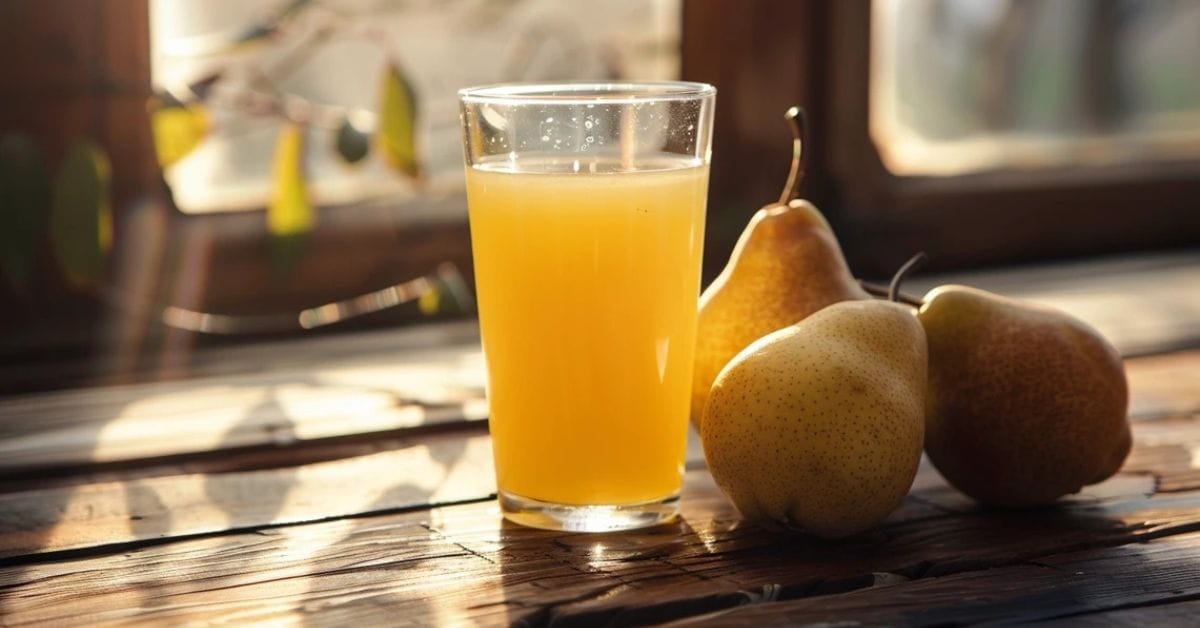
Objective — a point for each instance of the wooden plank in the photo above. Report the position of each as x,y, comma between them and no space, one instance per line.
437,469
1182,613
347,395
1063,587
249,489
462,563
1169,450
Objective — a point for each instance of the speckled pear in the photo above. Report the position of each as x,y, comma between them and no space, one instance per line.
786,265
819,425
1025,403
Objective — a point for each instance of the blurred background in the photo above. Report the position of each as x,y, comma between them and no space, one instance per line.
177,175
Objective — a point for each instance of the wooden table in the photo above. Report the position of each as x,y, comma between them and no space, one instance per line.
333,488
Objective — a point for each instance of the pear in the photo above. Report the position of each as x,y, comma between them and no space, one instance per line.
1025,403
818,425
786,265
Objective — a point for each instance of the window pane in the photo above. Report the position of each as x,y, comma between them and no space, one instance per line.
968,85
328,58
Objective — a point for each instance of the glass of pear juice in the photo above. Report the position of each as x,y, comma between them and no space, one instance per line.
587,205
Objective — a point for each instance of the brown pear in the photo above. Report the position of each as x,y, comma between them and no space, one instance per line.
786,265
1025,403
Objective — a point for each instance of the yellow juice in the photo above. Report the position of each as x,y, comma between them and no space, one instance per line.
587,284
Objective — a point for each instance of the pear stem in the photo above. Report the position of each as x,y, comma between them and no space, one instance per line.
880,290
796,120
913,263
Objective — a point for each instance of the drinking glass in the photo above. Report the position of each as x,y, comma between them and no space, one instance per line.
587,205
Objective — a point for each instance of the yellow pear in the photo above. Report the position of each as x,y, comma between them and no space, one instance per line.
819,425
1025,403
786,265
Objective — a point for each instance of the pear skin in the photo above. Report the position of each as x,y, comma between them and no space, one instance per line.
1025,403
818,426
786,265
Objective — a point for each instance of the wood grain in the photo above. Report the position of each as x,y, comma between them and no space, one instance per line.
337,532
435,470
1064,586
282,485
373,382
463,563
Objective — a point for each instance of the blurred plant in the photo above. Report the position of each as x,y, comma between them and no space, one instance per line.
181,120
177,127
397,116
74,211
71,213
290,216
24,196
81,229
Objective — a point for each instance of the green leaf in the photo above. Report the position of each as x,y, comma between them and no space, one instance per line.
24,198
177,128
352,143
81,228
398,123
290,215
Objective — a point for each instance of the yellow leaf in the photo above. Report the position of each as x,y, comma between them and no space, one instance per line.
81,228
290,216
290,211
178,129
430,300
398,123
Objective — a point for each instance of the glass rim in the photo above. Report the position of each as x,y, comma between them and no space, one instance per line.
589,92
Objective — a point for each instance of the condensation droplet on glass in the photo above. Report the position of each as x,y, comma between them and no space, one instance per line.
587,124
575,166
591,106
550,119
691,127
589,139
545,138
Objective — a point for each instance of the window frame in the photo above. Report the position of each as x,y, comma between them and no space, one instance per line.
1053,212
983,218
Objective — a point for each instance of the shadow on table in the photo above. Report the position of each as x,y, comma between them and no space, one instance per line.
710,561
82,510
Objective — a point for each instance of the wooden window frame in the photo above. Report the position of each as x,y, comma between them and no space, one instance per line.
817,54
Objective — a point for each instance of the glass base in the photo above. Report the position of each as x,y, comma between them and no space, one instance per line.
575,518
